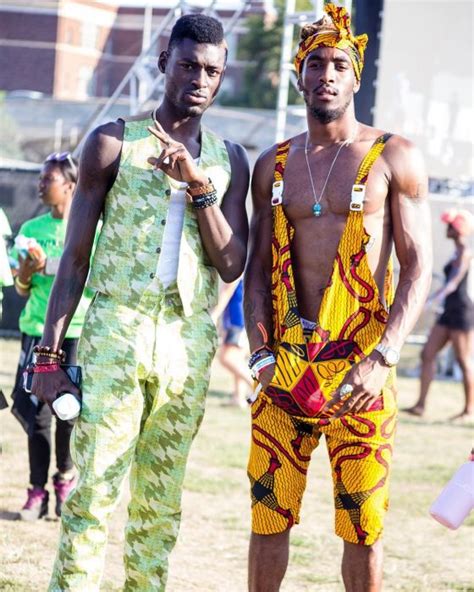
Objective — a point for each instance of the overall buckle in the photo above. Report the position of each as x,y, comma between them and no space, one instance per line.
277,193
357,198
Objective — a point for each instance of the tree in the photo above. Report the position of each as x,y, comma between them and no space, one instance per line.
261,48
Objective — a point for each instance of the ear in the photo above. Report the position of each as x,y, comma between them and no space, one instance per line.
299,84
356,86
162,61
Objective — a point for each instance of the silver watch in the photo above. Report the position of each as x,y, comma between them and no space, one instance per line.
390,355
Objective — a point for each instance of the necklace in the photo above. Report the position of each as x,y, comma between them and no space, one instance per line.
317,207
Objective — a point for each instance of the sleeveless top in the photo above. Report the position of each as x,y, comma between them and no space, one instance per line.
352,315
135,215
458,310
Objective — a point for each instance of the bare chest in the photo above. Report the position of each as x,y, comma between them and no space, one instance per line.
327,183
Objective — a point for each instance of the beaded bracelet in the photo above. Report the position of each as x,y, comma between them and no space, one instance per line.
49,352
205,201
201,189
261,352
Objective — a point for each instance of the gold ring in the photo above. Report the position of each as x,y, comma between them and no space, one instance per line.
345,391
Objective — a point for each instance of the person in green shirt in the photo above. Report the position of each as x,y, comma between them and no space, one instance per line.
39,246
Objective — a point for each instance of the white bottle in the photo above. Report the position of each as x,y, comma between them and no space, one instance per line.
67,406
455,502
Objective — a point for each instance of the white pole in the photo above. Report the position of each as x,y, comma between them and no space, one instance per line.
58,134
285,69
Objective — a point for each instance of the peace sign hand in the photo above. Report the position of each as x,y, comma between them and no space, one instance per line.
175,160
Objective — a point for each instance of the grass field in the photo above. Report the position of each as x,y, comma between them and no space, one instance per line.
211,554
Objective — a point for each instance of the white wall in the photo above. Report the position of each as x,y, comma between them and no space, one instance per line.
425,87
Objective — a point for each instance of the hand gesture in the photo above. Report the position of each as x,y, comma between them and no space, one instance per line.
175,160
362,386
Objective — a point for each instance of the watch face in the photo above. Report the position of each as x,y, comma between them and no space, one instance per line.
392,356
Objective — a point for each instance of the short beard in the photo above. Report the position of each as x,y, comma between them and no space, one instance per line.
325,116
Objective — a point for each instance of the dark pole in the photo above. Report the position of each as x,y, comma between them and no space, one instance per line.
368,19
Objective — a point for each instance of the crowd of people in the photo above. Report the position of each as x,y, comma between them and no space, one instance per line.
155,215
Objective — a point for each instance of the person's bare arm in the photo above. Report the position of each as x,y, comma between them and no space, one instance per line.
258,273
411,227
224,231
456,276
97,171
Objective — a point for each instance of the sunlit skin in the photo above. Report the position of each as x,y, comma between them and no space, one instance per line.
328,83
395,203
195,73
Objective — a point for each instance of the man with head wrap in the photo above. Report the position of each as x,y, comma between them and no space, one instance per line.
324,324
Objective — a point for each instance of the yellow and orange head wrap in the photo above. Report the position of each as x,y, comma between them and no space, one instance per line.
332,32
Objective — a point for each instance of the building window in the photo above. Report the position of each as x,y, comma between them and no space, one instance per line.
89,35
69,36
86,82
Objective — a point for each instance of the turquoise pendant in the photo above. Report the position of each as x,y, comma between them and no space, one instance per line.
317,210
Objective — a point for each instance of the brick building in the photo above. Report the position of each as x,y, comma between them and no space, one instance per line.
75,49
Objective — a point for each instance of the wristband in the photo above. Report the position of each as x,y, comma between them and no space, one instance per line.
204,201
45,368
21,285
201,189
261,352
260,365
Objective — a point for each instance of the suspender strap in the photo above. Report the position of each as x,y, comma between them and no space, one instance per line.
280,163
358,189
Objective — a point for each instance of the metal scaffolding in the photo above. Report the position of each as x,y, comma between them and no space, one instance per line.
143,80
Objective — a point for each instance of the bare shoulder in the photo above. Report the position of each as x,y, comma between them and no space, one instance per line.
105,142
237,154
100,157
406,167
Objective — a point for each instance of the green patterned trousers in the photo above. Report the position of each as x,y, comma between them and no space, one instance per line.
146,374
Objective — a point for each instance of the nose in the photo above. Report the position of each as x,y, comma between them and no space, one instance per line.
327,73
200,78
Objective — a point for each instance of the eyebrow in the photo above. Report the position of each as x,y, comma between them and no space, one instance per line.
342,59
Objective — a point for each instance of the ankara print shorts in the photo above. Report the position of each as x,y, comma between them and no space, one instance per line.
360,450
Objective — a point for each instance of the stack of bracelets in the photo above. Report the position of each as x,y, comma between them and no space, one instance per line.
203,196
260,359
51,359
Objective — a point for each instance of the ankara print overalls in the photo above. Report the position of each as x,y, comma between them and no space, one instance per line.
288,418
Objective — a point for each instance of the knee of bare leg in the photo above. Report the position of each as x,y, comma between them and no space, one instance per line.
427,355
269,542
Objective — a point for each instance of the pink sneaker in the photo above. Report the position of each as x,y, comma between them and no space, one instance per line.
36,505
62,488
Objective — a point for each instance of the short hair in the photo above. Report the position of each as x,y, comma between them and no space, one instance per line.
197,27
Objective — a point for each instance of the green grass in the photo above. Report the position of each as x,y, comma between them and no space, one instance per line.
211,554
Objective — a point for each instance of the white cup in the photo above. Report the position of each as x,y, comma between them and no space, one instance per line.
67,406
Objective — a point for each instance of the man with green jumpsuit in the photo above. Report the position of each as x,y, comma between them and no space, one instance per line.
172,195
